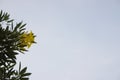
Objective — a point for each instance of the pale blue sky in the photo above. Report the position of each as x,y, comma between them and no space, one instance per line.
76,39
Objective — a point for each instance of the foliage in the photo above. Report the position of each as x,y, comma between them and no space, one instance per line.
13,40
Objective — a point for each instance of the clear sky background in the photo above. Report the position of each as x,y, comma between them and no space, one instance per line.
76,39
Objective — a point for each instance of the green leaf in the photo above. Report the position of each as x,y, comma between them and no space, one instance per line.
24,78
19,67
23,26
17,26
26,74
23,71
10,21
7,28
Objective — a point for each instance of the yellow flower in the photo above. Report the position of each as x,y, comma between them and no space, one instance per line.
27,39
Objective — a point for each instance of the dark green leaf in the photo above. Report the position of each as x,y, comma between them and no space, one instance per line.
26,74
23,71
24,78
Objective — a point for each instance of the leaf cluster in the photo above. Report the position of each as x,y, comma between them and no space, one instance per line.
9,48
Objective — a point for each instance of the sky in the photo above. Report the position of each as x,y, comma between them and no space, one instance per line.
76,39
